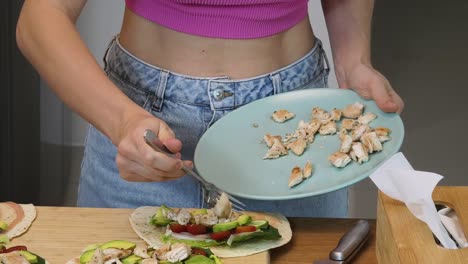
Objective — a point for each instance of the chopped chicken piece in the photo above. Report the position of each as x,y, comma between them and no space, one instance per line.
152,260
349,124
320,114
172,215
342,133
113,261
372,142
382,131
183,217
353,110
141,250
13,258
366,118
308,169
282,115
352,155
298,146
361,152
328,129
113,253
314,126
346,142
269,139
384,138
276,150
209,219
358,131
178,252
296,177
161,251
223,206
98,257
339,159
336,114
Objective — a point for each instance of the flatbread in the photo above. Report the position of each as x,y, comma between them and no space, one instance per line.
23,226
140,222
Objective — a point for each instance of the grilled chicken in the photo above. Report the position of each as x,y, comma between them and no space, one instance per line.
346,141
366,118
178,252
113,253
209,219
382,131
141,250
349,124
113,261
372,142
13,258
161,251
223,206
183,217
328,128
361,152
282,115
321,115
353,110
384,138
98,257
276,150
358,131
269,139
296,177
339,159
336,114
308,169
298,146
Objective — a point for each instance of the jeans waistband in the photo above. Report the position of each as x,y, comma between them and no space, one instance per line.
217,92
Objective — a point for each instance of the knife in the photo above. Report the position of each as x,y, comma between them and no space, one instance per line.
349,245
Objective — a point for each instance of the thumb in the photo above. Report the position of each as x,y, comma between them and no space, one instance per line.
381,93
167,137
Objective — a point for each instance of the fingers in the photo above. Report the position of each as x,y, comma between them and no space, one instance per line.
137,161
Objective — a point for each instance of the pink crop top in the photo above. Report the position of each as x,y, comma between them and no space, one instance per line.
231,19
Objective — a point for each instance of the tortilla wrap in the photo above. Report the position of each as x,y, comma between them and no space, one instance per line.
140,222
23,225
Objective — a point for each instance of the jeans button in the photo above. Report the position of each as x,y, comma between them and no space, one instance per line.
218,94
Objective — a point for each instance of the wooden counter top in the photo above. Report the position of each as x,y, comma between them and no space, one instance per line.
59,233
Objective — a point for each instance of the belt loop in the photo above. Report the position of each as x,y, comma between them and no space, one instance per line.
161,89
105,59
276,80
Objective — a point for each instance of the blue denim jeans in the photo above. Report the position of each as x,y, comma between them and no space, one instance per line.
189,105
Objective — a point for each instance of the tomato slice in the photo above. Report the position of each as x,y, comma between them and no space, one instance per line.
178,228
243,229
195,229
15,248
223,235
199,251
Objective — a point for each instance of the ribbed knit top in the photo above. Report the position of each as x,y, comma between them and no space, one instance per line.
230,19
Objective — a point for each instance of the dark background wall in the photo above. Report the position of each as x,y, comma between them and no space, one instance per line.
19,115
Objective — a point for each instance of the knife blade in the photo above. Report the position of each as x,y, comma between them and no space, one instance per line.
349,245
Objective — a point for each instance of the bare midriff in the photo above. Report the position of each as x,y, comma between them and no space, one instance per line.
213,57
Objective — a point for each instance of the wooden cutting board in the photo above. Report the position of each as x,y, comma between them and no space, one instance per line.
59,233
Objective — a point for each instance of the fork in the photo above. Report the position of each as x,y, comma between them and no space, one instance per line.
211,192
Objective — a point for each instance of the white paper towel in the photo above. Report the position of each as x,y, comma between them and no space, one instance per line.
397,179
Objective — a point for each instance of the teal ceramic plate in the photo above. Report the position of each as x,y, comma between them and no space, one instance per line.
230,153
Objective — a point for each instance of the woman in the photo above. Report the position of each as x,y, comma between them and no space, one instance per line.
176,67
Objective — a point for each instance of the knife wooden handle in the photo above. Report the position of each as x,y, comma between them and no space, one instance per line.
351,242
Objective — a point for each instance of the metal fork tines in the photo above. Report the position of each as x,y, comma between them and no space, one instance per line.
213,192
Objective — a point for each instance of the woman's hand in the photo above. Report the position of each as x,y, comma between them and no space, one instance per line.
137,161
371,84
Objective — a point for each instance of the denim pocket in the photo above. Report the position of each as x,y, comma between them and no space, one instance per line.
140,97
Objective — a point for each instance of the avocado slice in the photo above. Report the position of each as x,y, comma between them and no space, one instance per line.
87,256
120,244
244,219
199,259
132,259
160,217
259,223
4,239
29,256
201,211
3,226
225,226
